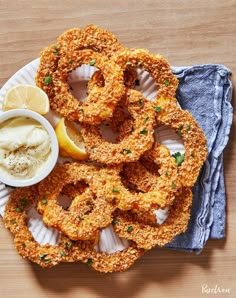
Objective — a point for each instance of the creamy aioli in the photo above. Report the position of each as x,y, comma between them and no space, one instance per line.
24,147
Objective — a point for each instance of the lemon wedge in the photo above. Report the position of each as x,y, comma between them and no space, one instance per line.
26,97
70,140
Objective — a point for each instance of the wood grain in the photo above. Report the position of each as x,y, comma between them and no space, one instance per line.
186,33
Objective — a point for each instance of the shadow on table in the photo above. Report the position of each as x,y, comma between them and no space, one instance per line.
156,266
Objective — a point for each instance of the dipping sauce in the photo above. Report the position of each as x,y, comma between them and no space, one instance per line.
25,147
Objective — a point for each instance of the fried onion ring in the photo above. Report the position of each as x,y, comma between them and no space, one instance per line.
101,101
146,236
131,148
156,65
194,139
15,219
108,184
86,214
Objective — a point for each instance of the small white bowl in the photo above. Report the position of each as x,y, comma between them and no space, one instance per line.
52,159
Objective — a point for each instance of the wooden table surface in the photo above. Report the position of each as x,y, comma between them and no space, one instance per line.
186,33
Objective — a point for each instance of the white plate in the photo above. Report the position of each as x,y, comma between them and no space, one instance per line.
109,241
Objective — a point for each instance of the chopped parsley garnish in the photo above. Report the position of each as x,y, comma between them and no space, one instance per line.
192,154
167,83
42,256
24,201
23,245
69,245
56,50
47,80
173,185
144,131
179,131
140,101
44,200
80,218
145,120
157,109
62,252
13,221
70,61
130,229
188,127
140,63
92,62
115,221
167,174
126,151
115,190
179,158
89,262
18,209
137,82
47,261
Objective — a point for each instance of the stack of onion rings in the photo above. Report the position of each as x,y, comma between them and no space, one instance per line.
130,180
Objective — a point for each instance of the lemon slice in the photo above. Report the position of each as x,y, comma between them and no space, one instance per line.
26,97
70,140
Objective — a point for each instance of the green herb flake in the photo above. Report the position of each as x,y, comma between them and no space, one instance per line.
115,190
132,129
167,174
47,80
47,261
42,256
69,245
173,185
188,127
24,201
115,221
130,229
140,63
18,209
56,50
70,61
137,82
144,131
13,221
157,109
23,245
92,62
192,154
179,131
179,158
140,101
80,218
62,252
167,83
89,262
126,151
44,200
145,120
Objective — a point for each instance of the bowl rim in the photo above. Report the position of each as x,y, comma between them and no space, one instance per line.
4,116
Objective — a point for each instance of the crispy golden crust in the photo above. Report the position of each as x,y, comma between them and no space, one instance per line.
128,226
108,184
97,40
15,219
100,102
105,262
193,137
156,65
130,149
86,214
91,37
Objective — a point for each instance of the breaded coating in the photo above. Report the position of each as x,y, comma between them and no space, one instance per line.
157,66
101,101
86,214
194,139
128,226
130,149
15,219
108,184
